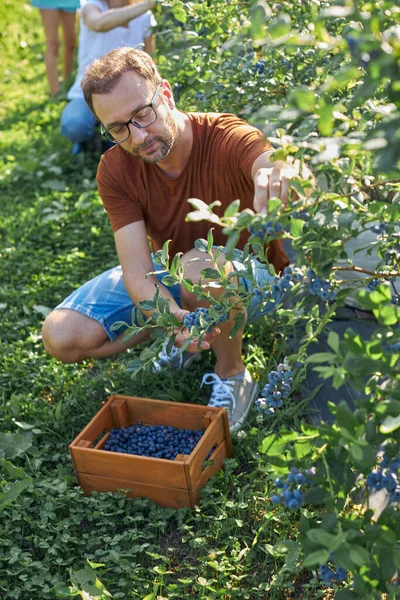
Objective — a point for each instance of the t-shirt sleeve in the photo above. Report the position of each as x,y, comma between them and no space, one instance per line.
122,208
240,144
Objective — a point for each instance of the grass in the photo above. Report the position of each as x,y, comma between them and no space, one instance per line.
55,235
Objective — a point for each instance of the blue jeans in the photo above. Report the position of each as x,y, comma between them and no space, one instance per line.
106,300
78,123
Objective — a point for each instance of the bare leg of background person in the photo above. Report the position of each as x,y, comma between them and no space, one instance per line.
50,24
68,24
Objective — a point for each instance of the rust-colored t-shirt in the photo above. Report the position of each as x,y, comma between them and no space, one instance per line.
219,168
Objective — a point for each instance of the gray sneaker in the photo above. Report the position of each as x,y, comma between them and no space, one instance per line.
237,394
173,360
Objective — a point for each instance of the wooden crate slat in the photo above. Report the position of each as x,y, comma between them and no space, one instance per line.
218,457
162,412
164,496
227,436
120,413
100,422
102,441
130,467
213,436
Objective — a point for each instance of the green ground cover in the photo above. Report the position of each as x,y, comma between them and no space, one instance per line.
55,235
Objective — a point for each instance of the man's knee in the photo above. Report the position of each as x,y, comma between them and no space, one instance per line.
59,336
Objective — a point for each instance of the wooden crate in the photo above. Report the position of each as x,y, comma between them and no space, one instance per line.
173,483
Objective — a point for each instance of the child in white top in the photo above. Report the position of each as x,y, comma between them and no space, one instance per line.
104,26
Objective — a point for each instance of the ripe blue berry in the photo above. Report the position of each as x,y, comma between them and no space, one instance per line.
156,441
202,320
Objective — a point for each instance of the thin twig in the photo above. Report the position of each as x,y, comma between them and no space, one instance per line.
371,273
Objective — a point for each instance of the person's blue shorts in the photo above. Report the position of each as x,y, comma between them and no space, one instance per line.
70,6
105,299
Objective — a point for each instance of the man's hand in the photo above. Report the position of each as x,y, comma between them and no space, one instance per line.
194,344
272,182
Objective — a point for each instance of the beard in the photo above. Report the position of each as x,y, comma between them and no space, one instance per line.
163,144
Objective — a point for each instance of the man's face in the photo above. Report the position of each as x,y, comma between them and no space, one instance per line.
151,144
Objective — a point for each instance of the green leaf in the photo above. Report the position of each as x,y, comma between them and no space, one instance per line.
292,557
296,227
232,209
203,212
274,205
147,305
275,444
94,565
178,10
231,244
381,294
169,281
321,357
344,416
284,546
13,472
165,254
201,245
325,122
14,444
210,240
301,449
316,558
118,324
363,454
146,354
359,555
390,424
259,13
12,493
359,365
333,341
315,496
210,274
387,315
279,26
303,98
321,537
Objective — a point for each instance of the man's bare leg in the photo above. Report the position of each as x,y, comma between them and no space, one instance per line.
228,351
71,337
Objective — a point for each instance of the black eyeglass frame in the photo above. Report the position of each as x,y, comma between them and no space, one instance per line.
130,121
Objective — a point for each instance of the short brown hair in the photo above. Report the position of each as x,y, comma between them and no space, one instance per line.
103,74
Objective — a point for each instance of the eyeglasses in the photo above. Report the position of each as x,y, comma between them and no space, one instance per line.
144,117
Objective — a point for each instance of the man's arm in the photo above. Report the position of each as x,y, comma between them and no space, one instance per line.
115,17
135,259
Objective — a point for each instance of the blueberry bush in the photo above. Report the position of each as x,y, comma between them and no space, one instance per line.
322,82
293,515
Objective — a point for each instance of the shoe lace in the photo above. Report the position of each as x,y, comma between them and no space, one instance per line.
163,358
222,392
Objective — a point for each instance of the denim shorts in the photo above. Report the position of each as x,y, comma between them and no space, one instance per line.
105,299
